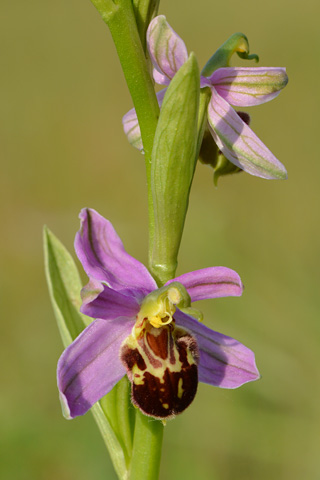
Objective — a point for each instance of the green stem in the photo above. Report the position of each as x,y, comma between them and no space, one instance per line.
146,454
125,35
120,18
123,28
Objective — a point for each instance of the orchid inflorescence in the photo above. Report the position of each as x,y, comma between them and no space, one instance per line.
139,323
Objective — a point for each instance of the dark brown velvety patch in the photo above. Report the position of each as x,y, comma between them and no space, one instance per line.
167,399
132,357
161,364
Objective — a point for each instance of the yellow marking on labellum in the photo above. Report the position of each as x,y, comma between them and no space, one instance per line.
161,365
154,365
137,377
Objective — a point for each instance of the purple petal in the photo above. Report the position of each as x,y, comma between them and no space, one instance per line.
100,301
244,87
131,125
160,78
104,258
90,367
211,282
224,362
167,50
132,129
239,143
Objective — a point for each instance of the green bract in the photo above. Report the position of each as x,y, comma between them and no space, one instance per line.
172,168
64,288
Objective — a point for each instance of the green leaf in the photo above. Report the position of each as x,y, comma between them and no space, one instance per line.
120,413
111,441
64,287
172,167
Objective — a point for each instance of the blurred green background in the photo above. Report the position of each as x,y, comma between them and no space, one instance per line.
62,148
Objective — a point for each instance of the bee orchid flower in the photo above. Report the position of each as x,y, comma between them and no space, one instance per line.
151,334
237,86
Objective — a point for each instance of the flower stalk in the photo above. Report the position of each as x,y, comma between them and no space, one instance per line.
122,23
148,434
147,445
121,20
123,28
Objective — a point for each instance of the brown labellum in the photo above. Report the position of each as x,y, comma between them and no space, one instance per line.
162,367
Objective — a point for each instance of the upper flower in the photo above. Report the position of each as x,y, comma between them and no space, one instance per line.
238,86
145,332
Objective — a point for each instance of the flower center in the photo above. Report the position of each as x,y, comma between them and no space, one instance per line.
160,305
161,358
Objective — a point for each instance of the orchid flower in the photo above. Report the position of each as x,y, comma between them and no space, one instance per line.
238,86
149,333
